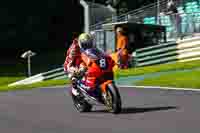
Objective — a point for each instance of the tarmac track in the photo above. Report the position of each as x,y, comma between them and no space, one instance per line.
50,110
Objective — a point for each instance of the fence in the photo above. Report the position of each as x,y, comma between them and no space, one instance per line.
186,21
53,74
135,15
183,50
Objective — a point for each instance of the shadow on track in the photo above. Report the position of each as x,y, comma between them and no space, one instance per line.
147,109
133,110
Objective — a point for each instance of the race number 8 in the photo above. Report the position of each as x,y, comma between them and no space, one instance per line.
102,63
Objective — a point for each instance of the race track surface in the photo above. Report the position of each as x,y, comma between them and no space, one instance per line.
50,110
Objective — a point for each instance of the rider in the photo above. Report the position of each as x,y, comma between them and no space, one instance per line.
99,65
73,63
81,64
72,60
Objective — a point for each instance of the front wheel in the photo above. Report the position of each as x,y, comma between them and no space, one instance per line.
81,105
113,99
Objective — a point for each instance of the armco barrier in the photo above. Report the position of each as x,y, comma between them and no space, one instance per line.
53,74
183,50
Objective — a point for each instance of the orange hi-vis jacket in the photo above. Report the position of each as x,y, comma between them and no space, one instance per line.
122,52
122,42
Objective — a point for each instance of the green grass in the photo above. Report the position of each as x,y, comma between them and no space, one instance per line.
157,68
4,87
7,80
10,74
13,73
177,79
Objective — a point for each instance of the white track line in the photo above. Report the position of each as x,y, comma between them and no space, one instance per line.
158,87
150,87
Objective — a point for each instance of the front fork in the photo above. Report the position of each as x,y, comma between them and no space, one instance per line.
107,97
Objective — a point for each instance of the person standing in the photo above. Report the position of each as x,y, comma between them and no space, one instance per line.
175,18
121,49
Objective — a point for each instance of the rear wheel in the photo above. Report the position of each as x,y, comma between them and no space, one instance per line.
113,99
81,105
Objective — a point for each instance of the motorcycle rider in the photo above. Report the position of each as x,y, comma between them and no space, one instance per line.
88,70
73,58
73,63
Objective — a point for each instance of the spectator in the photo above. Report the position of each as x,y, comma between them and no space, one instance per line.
174,17
122,51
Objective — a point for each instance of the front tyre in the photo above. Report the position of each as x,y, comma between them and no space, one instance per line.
81,105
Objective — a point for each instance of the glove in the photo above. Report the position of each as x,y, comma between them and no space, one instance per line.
82,71
74,80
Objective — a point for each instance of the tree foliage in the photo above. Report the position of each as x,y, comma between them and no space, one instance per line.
123,6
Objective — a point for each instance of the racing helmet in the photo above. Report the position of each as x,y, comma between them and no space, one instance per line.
85,41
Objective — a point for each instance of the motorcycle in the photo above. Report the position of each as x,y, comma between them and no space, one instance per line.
105,93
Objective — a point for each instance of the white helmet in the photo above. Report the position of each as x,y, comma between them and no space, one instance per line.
85,41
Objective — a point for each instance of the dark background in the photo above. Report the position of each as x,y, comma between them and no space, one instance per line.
44,24
37,24
45,27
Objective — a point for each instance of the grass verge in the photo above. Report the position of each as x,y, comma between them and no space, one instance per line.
10,74
177,79
4,87
157,68
7,80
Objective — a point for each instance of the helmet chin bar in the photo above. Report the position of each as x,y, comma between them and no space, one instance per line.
85,41
86,45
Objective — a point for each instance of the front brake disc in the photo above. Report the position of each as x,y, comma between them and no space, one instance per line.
108,101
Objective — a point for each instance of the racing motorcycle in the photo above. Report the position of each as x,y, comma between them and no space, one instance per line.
105,93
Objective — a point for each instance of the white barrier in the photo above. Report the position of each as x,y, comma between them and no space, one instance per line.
180,51
30,80
57,73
